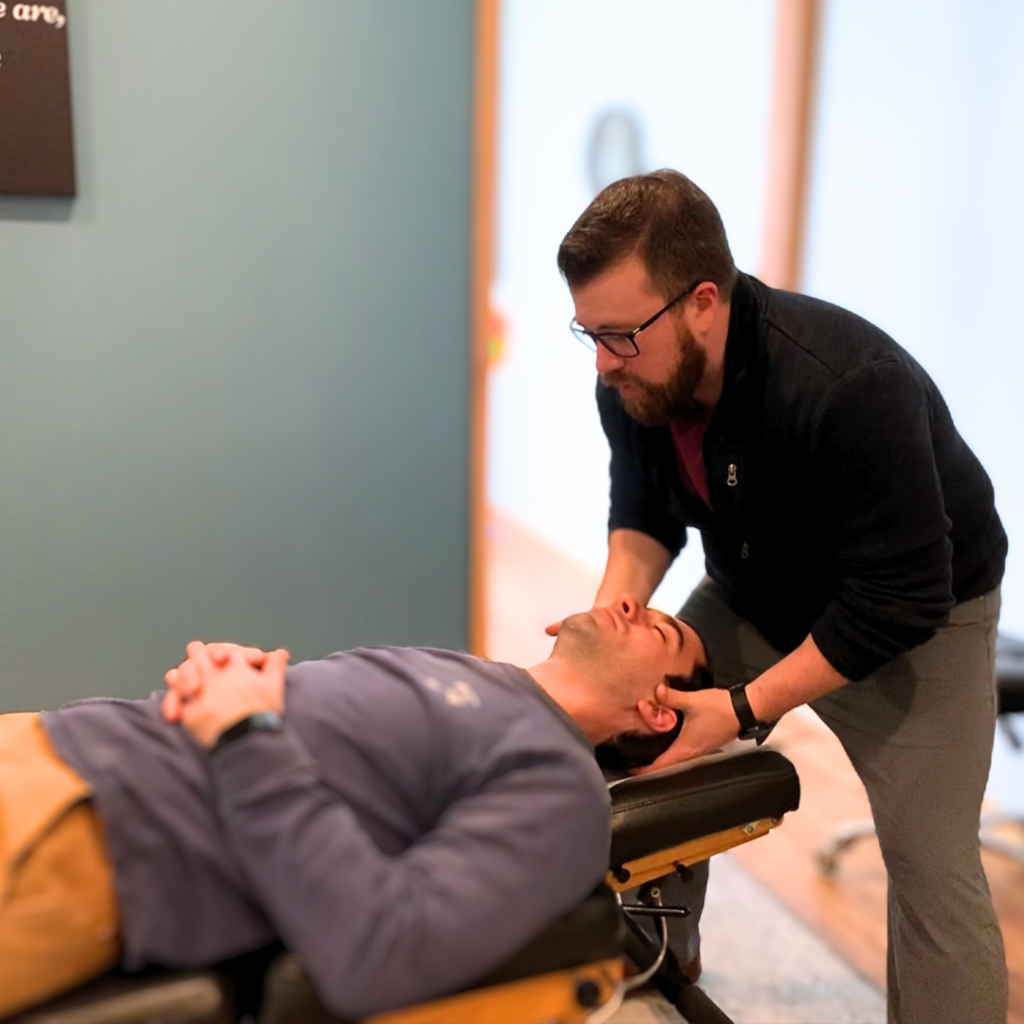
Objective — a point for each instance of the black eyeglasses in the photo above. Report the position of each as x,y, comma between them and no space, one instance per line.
623,344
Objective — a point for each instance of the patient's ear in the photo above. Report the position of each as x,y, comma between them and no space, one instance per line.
655,716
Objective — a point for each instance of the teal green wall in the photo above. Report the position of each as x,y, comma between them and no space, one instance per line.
234,371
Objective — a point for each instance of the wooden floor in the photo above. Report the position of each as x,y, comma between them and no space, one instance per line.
530,585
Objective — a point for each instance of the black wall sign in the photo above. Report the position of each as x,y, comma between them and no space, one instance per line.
36,154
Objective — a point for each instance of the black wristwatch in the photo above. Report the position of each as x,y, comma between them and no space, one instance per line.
751,728
261,721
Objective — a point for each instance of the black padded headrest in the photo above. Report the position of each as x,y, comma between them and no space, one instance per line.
664,809
1009,673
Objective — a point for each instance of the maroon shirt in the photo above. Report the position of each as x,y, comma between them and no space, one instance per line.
688,441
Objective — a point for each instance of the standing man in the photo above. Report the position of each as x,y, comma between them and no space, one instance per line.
853,549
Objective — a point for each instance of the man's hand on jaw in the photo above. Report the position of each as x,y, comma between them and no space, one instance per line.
220,684
636,565
555,627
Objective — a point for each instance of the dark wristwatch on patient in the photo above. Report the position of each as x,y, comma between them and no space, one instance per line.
751,727
261,721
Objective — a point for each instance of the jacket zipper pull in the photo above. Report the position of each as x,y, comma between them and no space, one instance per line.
732,480
745,550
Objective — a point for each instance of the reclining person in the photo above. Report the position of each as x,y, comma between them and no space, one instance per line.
404,819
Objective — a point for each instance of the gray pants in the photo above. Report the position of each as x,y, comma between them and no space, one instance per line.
919,733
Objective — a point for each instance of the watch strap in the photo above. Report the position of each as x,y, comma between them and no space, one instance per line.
751,728
261,721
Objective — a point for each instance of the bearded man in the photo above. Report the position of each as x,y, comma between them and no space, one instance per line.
853,551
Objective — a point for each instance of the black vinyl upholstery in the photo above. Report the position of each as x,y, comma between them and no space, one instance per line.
591,932
1010,674
193,998
658,811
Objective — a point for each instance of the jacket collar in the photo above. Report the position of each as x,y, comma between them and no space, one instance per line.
741,343
741,356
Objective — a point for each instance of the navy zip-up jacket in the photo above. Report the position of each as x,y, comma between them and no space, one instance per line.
845,504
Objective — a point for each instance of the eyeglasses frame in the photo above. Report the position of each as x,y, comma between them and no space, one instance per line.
580,333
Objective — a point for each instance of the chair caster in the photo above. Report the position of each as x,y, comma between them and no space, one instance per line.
844,836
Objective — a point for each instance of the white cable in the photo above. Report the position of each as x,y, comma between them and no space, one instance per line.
605,1012
645,976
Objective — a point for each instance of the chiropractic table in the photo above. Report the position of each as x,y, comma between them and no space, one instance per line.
573,972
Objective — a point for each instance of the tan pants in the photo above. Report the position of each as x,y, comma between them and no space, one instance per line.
58,910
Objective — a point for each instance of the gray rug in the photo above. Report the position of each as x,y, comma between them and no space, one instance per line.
764,966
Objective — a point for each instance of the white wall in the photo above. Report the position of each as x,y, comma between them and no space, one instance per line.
698,77
917,210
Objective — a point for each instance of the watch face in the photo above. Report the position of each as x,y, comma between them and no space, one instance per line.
265,720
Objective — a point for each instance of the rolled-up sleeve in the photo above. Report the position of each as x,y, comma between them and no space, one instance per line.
635,502
378,931
874,463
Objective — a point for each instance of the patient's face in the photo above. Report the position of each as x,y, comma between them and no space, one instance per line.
629,647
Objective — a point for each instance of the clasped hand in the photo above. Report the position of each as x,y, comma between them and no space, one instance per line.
220,684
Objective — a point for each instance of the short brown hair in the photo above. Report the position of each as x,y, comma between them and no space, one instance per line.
664,218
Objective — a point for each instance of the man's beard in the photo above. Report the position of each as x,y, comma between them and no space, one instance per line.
657,405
